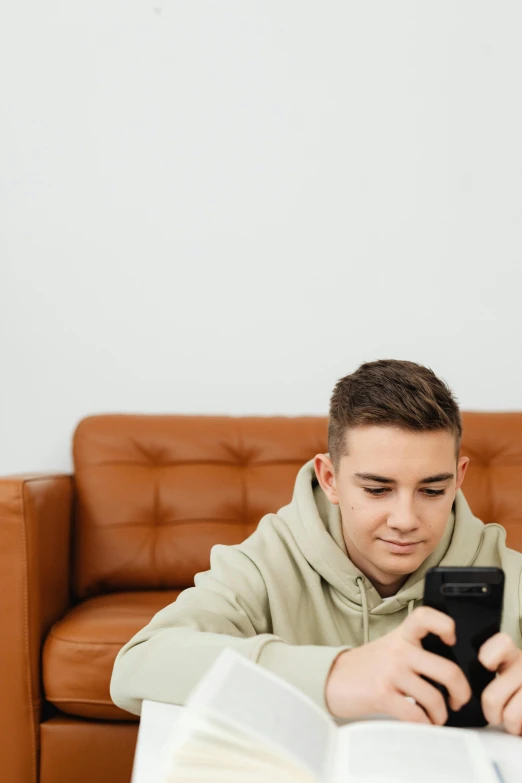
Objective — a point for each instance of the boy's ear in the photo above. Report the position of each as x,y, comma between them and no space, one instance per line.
462,466
326,477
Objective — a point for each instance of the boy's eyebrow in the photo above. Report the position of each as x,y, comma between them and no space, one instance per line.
384,480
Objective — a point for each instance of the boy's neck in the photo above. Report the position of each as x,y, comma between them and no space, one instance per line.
386,591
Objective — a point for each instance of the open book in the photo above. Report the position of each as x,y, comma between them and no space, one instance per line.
244,724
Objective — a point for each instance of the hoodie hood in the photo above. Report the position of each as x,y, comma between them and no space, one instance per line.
316,526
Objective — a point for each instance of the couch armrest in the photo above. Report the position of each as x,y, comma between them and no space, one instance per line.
35,531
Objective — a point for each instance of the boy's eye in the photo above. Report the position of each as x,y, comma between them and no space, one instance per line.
380,491
375,492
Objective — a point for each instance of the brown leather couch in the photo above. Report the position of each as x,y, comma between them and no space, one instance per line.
87,559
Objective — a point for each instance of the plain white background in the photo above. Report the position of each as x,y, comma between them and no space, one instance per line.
224,207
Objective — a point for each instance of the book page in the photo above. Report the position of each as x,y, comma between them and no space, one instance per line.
504,749
259,702
400,752
204,746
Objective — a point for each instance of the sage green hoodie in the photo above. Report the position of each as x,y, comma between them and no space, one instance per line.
290,599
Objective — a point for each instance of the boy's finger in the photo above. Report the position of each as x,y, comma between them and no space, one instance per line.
425,620
444,672
499,650
497,696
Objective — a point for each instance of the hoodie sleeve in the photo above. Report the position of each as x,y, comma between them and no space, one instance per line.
228,607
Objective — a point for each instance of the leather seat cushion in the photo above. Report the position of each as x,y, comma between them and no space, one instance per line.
80,650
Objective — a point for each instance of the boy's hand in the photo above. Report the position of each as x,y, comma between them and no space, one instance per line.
376,677
502,698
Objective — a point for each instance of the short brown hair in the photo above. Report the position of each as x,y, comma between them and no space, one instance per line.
395,393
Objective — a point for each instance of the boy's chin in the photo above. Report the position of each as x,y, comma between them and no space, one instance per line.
407,564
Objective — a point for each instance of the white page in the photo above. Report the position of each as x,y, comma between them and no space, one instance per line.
505,749
258,701
397,752
207,747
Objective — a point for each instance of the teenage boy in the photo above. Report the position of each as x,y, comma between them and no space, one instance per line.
327,592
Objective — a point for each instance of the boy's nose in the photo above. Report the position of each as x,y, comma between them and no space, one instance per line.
403,517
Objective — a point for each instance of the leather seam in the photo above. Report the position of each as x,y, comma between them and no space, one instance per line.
93,644
169,523
520,601
239,463
154,533
244,498
80,701
25,577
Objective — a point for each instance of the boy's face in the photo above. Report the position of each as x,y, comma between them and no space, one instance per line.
378,515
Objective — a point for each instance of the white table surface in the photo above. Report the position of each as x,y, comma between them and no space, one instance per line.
158,720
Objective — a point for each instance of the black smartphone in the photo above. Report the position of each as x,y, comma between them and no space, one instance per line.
473,597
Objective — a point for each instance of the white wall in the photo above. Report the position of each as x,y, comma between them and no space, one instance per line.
223,207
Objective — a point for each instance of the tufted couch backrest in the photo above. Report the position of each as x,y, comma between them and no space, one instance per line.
155,493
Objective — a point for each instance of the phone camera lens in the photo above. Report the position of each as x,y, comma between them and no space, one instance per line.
450,589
